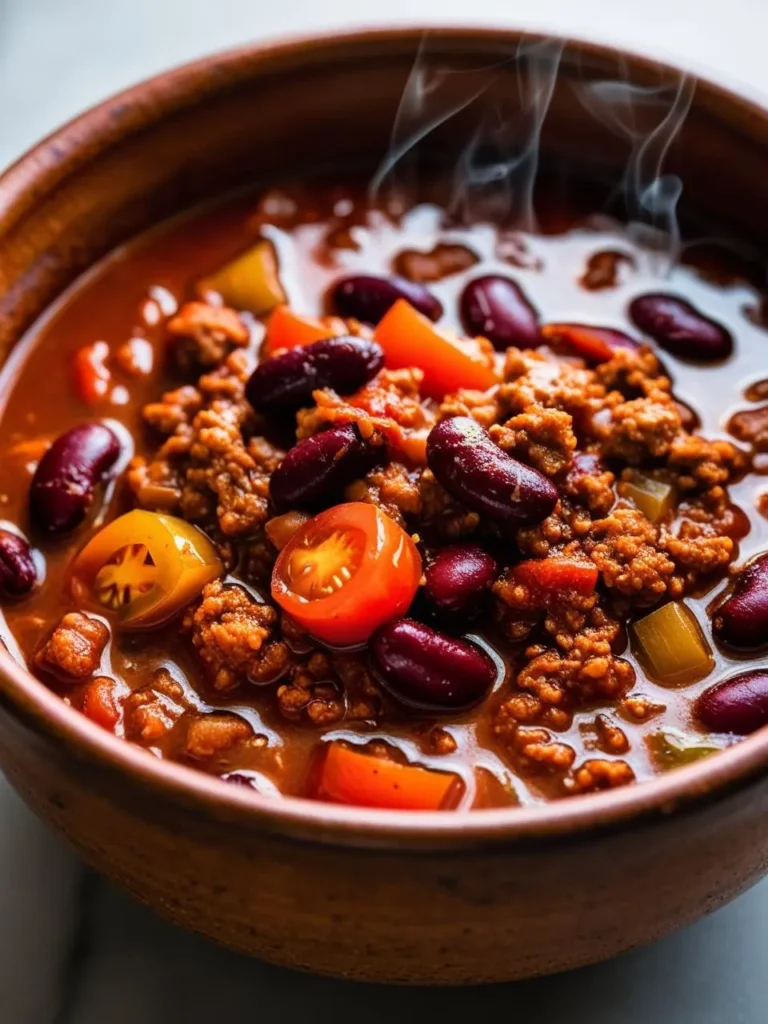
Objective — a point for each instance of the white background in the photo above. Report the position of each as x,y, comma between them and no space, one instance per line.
76,952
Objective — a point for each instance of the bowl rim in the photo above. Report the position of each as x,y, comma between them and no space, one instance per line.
680,791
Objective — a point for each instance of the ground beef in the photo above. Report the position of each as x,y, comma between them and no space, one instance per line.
586,675
204,335
541,437
537,751
634,372
599,773
538,378
73,650
235,637
483,406
213,734
393,488
326,689
176,409
590,483
624,547
566,525
441,513
213,469
642,429
150,712
224,472
636,707
610,737
702,463
698,554
312,693
389,406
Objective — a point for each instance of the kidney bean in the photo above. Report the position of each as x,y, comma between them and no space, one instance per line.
680,328
738,704
18,573
473,469
458,575
496,308
429,670
66,477
367,298
742,620
751,426
317,469
286,382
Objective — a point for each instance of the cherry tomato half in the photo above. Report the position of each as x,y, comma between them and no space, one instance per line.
345,572
144,567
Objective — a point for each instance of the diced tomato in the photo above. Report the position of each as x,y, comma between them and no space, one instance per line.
102,701
345,572
92,378
286,329
595,344
549,578
353,777
411,339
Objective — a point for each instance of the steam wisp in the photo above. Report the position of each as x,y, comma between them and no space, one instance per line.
495,174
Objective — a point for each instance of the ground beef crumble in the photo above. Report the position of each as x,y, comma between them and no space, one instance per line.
152,710
204,335
236,637
73,650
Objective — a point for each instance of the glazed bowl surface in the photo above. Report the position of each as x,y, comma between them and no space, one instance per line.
414,898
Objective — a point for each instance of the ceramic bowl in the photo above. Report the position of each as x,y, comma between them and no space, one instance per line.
418,898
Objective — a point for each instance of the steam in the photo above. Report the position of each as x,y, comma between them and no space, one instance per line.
650,118
495,174
433,95
496,171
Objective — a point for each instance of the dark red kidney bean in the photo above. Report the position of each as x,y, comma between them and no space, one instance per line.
18,573
67,475
473,469
457,576
317,469
367,298
738,704
240,779
429,670
496,307
742,620
680,328
286,382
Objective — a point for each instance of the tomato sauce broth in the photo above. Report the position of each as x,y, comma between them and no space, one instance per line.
318,236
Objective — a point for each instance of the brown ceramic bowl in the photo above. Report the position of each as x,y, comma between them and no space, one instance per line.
419,897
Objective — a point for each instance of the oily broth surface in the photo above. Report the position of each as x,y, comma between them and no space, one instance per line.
116,301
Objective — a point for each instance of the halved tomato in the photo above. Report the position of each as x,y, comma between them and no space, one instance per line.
345,572
144,567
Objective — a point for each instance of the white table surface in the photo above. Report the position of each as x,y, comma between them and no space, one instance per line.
74,950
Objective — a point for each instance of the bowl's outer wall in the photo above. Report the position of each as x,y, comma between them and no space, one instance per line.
388,915
476,914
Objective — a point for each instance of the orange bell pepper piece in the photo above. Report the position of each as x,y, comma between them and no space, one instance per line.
351,777
286,329
410,339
